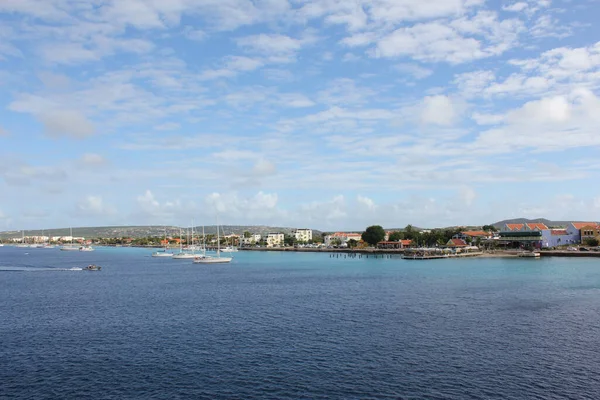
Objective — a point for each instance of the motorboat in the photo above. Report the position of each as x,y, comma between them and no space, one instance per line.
86,248
92,267
163,253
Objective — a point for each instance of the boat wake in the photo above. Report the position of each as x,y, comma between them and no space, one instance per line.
7,268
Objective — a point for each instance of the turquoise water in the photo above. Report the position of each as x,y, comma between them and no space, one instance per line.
296,325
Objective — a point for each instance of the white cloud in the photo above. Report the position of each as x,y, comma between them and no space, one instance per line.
462,40
516,7
439,110
92,159
69,123
550,124
264,167
368,203
415,70
94,206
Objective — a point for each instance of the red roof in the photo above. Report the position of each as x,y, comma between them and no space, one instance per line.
476,233
558,232
580,225
532,226
456,243
537,225
514,227
406,242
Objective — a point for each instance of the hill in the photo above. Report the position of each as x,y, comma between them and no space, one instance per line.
143,231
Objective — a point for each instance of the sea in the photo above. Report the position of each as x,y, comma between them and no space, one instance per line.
284,325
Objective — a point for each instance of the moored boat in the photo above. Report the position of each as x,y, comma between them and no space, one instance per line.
530,254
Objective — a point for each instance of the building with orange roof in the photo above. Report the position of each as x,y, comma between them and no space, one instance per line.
591,231
456,243
401,244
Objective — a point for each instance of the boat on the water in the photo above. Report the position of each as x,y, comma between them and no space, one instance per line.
166,253
204,259
86,248
71,246
93,267
529,254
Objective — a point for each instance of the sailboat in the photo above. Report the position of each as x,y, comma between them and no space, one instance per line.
204,259
229,248
69,247
45,244
165,252
186,254
22,244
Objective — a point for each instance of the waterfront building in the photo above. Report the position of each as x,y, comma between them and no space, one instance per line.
472,236
522,235
275,239
401,244
253,239
342,237
589,231
303,235
456,243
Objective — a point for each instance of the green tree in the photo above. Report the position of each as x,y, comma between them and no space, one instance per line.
373,234
247,234
352,243
396,236
289,240
592,242
489,228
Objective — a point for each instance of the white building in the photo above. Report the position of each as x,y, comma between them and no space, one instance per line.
275,239
253,239
303,235
343,237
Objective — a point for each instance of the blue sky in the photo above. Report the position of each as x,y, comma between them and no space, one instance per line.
329,114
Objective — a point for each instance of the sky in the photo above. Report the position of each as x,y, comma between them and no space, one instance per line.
325,114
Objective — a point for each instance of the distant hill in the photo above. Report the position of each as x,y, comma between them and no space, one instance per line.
547,222
143,231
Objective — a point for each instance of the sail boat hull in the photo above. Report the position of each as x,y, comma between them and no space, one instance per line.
69,248
184,256
212,260
162,254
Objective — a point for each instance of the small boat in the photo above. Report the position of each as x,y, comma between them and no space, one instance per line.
529,254
93,267
229,249
86,248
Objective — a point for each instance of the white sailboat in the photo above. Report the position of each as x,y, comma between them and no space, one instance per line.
71,246
22,244
204,259
190,250
165,252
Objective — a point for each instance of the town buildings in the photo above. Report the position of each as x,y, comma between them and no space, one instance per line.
251,240
275,239
539,236
303,235
341,238
590,231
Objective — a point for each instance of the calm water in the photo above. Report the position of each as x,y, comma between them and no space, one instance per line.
296,326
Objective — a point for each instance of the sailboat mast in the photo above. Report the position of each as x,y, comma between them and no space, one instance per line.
218,238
